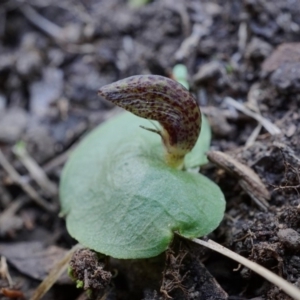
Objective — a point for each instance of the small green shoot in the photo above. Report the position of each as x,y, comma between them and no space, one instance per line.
79,284
180,74
137,3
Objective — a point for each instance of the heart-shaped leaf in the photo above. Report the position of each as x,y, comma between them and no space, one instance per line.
121,199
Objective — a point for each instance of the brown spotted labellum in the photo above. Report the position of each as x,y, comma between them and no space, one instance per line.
166,101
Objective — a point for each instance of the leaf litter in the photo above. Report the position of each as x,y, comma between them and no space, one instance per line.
115,42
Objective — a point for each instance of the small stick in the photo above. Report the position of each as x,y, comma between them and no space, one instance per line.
242,37
190,42
287,287
58,160
4,271
270,127
55,273
247,178
8,213
36,172
44,24
16,177
253,136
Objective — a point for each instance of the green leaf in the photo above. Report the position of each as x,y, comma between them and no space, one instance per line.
121,199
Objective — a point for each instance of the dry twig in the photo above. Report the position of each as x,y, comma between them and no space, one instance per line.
287,287
44,24
4,271
36,172
56,272
248,179
16,177
270,127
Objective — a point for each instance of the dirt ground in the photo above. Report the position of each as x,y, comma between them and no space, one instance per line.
243,60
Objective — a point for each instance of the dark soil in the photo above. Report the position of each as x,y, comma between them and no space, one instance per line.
49,77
